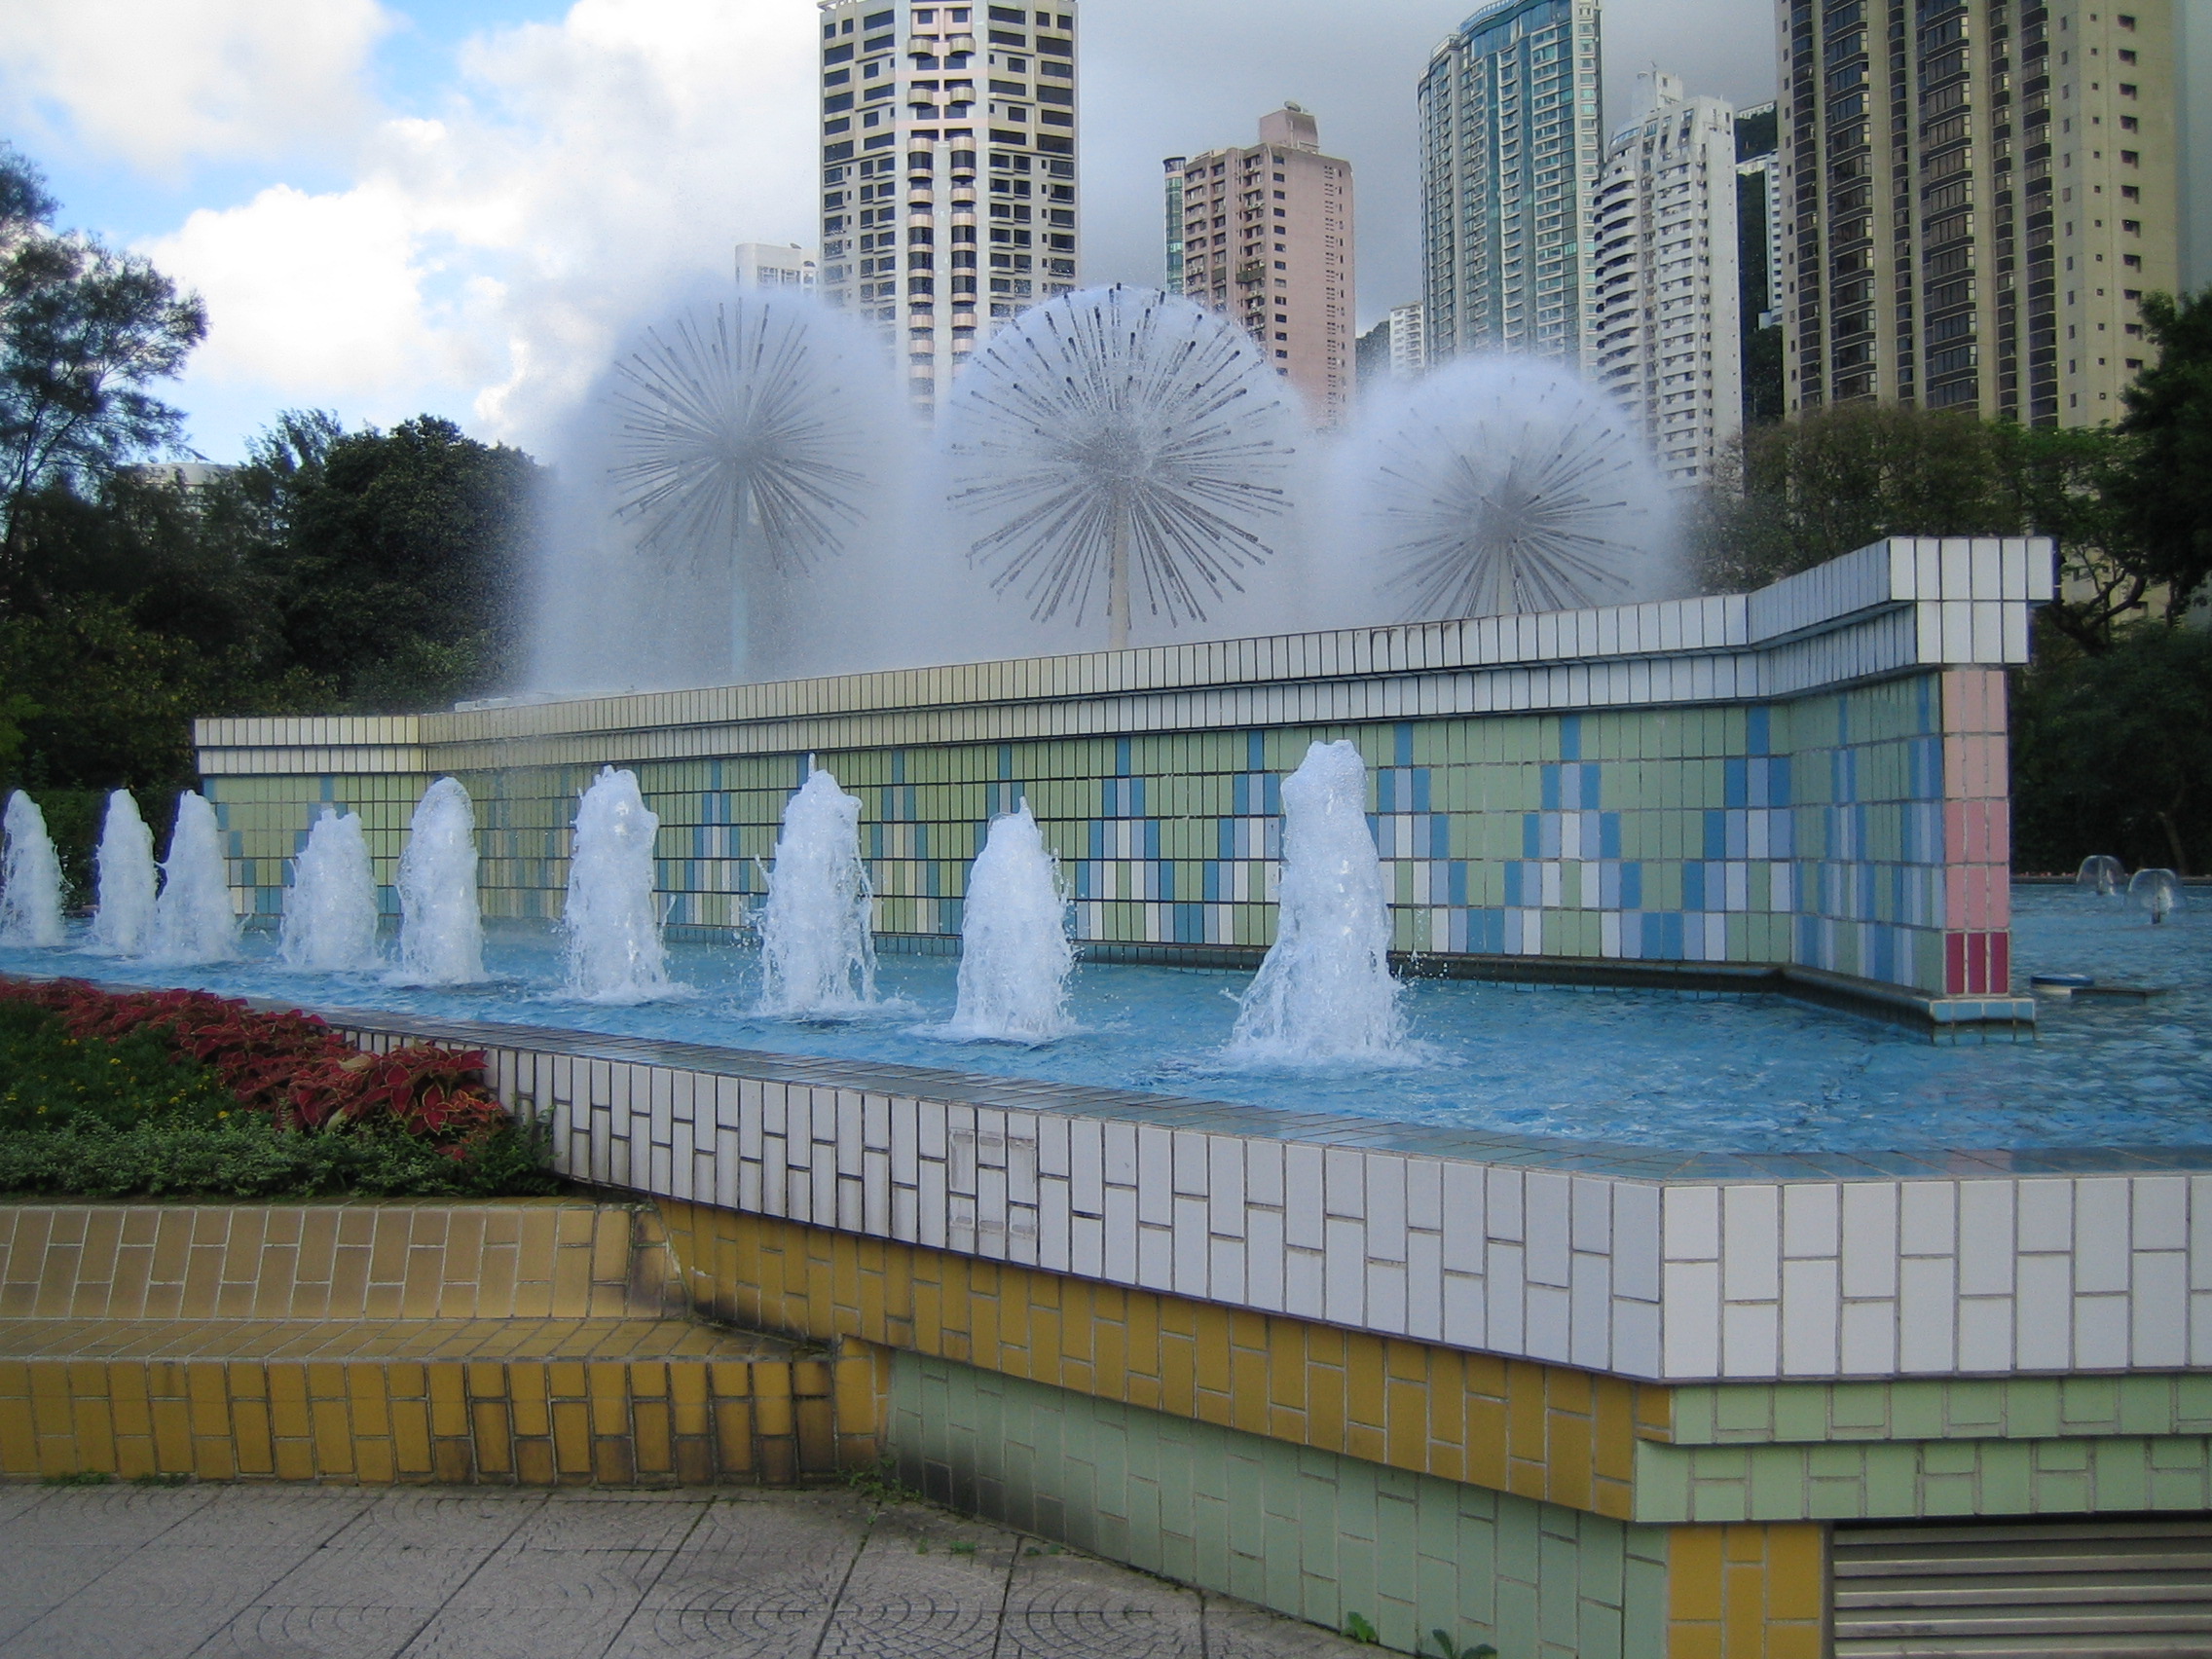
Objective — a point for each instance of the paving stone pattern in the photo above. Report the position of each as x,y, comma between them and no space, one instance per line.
243,1572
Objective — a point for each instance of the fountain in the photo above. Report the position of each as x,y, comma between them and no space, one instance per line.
1014,955
817,954
441,930
194,921
122,921
2157,893
1325,993
610,927
330,912
1503,484
1119,448
2102,876
30,878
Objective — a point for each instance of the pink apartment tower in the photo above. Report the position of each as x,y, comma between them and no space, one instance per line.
1266,236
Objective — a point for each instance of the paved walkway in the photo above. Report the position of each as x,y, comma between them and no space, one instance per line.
277,1572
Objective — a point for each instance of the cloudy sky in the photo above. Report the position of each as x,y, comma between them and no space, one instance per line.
398,205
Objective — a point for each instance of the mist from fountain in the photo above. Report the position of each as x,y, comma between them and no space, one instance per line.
611,928
2102,876
441,926
30,878
2157,893
1499,484
124,881
1325,993
1014,954
330,909
194,921
817,950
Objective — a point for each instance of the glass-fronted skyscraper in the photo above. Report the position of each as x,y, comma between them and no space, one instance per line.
1510,156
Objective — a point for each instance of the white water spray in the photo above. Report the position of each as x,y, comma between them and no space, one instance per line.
817,954
611,927
330,912
1324,992
30,878
193,918
1014,955
123,924
441,930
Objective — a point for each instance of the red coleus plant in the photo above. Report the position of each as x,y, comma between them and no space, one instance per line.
289,1065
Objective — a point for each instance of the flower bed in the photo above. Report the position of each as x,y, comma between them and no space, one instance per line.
105,1094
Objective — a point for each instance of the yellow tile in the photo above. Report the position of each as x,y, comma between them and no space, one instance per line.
572,1437
1693,1573
411,1437
1797,1572
333,1438
208,1389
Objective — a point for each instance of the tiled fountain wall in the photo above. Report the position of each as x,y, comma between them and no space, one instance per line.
1811,775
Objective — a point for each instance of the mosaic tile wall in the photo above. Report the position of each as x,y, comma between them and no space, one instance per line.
1862,831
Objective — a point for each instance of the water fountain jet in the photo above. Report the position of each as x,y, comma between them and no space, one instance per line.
30,878
1014,955
330,911
611,927
817,952
441,927
194,921
1325,993
122,920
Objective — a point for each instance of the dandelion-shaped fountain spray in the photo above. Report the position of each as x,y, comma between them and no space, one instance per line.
1503,484
743,447
1117,448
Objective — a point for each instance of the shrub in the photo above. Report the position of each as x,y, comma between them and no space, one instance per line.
105,1094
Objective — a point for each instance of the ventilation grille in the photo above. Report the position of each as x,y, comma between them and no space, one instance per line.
2066,1590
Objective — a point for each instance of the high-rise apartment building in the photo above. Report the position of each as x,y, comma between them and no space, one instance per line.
2192,106
949,171
1510,155
1409,339
1978,194
1758,260
1175,170
1665,314
777,268
1267,237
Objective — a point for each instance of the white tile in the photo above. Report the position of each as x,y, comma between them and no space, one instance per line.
1636,1240
1386,1206
1985,1334
1347,1269
1635,1338
1869,1238
1386,1294
1087,1167
2162,1212
1502,1202
1303,1283
2101,1231
1505,1303
1549,1325
1692,1217
1811,1219
1262,1259
1193,1249
2046,1214
1986,1237
1121,1235
1225,1185
1225,1272
1424,1286
2100,1331
1190,1162
1264,1173
1546,1221
1301,1196
1590,1311
2200,1233
1344,1183
1155,1257
1927,1314
2158,1311
1463,1325
1156,1192
1425,1193
1751,1242
1870,1337
2045,1334
1811,1306
1692,1329
1926,1220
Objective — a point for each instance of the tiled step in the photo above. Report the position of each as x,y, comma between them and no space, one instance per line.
533,1342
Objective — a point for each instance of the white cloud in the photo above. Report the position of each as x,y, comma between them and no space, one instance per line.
484,260
161,82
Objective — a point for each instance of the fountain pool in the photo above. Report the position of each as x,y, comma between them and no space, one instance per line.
1677,1071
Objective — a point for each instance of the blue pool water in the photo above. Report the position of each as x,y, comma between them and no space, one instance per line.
1658,1069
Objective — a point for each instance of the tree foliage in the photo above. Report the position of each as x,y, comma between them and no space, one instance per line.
83,334
2169,419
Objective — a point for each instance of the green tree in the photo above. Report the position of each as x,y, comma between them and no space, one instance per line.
396,556
2111,751
1807,491
84,334
2169,416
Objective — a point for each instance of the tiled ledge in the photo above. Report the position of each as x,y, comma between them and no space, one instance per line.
1657,1265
